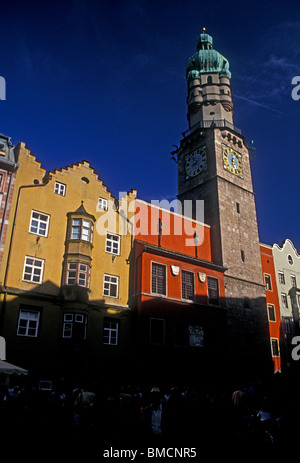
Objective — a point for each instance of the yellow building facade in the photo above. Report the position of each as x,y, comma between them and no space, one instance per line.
65,272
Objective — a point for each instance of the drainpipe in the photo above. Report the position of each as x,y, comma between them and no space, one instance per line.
14,225
10,248
15,166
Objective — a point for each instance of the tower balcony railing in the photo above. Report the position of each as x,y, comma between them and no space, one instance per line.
219,123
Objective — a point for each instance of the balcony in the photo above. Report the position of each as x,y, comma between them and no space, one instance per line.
220,123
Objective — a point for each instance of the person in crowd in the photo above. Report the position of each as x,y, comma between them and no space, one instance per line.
153,417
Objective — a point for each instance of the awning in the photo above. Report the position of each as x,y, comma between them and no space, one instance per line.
9,369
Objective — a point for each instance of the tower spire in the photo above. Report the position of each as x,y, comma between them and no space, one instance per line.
208,78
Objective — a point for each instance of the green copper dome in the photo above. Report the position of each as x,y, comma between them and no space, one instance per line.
206,59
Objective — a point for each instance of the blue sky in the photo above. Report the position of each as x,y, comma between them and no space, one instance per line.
105,81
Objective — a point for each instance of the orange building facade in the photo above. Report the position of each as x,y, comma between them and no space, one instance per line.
273,308
178,293
8,169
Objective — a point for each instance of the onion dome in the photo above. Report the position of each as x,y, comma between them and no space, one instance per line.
206,60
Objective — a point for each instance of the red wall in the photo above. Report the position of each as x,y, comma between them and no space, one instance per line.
177,236
272,298
177,232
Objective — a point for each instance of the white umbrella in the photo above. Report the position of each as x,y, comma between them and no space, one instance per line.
9,369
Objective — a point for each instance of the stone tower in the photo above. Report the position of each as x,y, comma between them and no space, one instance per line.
214,166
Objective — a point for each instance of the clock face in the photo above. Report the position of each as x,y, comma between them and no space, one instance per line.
232,161
195,162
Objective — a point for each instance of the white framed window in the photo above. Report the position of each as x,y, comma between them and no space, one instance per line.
110,332
187,285
271,313
275,347
111,286
60,188
82,229
28,323
268,282
33,270
213,290
158,279
284,300
281,278
78,274
74,326
113,243
293,281
103,204
39,223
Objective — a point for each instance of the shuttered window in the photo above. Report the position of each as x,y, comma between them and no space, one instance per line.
213,291
187,285
159,285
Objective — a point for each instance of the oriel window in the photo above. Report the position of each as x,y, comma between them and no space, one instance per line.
78,274
82,229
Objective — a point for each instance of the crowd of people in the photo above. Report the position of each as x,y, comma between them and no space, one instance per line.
81,419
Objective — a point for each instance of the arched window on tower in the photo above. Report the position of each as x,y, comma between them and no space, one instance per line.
209,80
